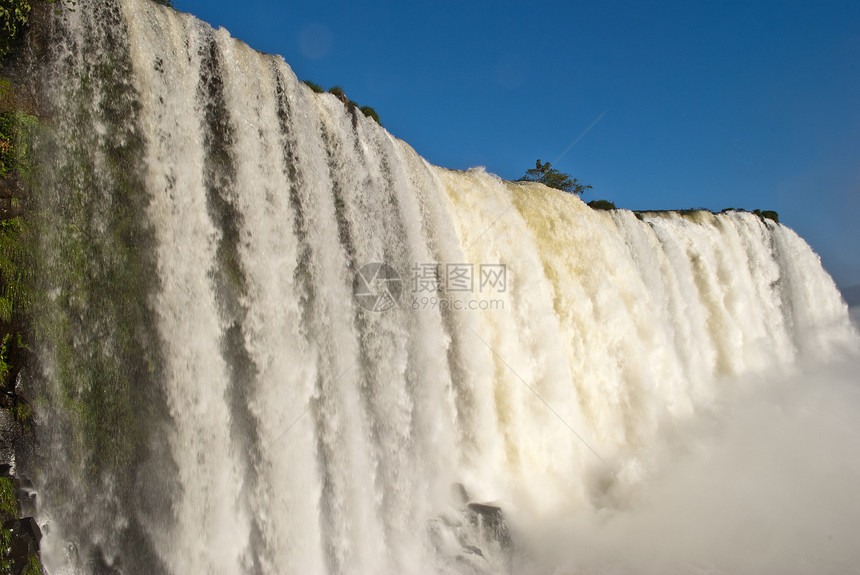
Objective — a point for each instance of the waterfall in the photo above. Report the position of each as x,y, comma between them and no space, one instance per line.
272,337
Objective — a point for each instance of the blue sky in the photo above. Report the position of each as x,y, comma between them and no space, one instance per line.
697,104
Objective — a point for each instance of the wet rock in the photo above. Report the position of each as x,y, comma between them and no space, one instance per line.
491,520
10,430
20,388
7,457
9,208
25,538
10,188
7,399
26,496
474,550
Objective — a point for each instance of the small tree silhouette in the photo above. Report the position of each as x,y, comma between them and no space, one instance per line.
549,176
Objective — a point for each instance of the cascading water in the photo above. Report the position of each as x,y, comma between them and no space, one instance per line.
218,398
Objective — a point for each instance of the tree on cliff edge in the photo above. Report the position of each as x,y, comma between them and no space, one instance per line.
549,176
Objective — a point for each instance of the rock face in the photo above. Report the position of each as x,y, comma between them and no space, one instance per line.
10,429
490,521
25,535
472,537
17,105
11,192
10,432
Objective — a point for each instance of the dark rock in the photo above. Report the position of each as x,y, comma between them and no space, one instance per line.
485,509
601,205
7,456
20,390
26,526
26,495
27,500
474,550
10,188
9,208
491,520
10,429
25,538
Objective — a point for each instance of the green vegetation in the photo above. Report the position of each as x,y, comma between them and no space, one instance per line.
86,215
351,104
10,509
763,214
23,414
767,215
341,95
96,276
13,17
34,567
7,148
8,499
370,113
5,367
15,293
15,253
15,271
103,253
5,543
549,176
338,91
14,141
601,205
315,87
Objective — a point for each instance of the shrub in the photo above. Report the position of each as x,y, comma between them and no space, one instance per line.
601,205
351,105
549,176
34,566
370,113
338,91
13,17
315,87
767,215
770,215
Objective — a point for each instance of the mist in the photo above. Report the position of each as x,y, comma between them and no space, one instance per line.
765,483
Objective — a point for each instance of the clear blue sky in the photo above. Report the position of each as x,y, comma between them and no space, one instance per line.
700,104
